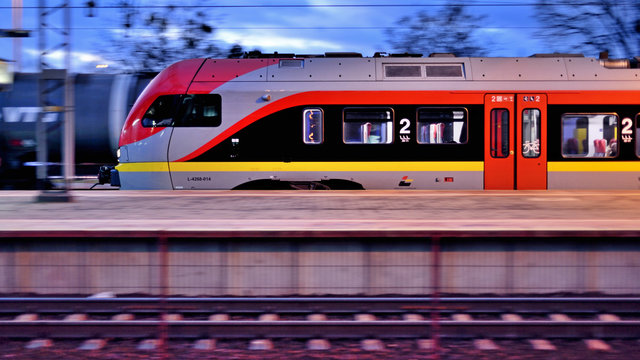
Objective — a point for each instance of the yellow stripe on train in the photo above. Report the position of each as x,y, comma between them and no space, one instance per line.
593,166
143,167
404,166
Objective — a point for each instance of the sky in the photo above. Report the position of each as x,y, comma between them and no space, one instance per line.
307,27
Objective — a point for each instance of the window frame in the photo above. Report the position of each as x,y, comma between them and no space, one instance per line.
390,133
539,137
588,114
458,66
466,120
494,153
304,126
389,69
145,120
178,113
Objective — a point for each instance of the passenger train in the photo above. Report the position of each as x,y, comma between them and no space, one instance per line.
102,102
343,121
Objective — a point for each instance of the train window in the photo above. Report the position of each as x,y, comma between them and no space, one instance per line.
589,135
200,110
442,125
402,71
161,112
313,126
291,63
499,133
368,126
530,133
440,71
184,111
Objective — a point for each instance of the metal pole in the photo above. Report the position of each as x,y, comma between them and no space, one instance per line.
68,162
51,80
41,130
435,295
16,20
163,244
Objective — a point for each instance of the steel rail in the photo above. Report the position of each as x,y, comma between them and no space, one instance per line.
305,305
629,329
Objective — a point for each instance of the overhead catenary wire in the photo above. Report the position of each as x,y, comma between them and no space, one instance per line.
309,28
508,3
352,5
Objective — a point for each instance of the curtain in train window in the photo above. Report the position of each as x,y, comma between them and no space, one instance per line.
589,135
312,126
531,133
442,125
499,133
368,126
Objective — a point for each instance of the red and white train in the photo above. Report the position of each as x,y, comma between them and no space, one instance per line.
342,121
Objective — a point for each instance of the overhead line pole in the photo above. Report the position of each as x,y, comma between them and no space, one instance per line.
16,22
69,144
50,80
41,130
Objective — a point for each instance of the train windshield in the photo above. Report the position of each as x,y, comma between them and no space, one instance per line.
162,111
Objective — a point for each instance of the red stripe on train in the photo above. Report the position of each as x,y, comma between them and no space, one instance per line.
338,98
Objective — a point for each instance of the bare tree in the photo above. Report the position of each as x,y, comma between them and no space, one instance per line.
450,30
235,52
152,40
593,26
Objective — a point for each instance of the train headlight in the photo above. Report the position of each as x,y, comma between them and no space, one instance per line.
118,154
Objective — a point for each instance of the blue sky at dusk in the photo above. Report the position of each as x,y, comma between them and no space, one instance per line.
308,27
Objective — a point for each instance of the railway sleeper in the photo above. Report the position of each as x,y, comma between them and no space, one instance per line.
496,329
321,344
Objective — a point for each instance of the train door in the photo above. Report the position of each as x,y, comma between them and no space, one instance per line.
531,137
515,141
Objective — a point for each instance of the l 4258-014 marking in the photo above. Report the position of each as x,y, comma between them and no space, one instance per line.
199,178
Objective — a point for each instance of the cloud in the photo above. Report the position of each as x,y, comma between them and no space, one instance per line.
273,41
172,33
79,59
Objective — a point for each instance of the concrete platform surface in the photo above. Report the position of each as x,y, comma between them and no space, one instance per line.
323,213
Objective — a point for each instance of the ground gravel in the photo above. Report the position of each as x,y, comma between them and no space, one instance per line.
340,349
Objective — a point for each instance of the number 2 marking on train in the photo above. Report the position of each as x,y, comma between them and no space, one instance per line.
405,131
405,123
627,132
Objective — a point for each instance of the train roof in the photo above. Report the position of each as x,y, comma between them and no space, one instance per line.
414,67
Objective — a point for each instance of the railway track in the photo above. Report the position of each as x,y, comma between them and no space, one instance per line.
328,318
302,305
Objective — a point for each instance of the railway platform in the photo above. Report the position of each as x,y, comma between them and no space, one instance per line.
309,243
324,214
